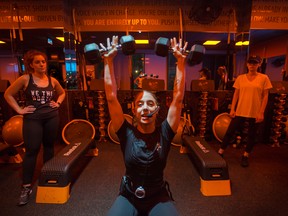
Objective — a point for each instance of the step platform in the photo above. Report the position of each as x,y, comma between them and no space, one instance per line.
212,168
57,174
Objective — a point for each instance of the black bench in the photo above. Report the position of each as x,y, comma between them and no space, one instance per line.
57,174
211,167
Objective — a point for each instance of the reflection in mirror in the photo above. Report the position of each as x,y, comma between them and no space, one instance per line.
171,71
138,70
70,61
274,67
269,45
13,49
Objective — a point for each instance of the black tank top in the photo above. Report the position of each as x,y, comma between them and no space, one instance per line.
145,159
40,98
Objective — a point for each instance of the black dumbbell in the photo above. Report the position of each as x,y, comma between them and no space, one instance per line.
195,55
154,76
93,53
162,46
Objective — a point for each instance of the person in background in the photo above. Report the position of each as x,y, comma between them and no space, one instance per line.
205,74
284,74
222,72
139,80
43,97
145,147
249,102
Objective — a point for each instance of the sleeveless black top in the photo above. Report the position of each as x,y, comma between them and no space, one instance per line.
40,98
145,155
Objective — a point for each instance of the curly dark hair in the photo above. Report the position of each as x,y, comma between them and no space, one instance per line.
29,57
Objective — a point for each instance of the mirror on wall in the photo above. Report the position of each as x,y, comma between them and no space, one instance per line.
271,45
13,47
45,39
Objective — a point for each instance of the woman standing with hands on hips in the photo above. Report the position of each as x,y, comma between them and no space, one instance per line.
145,147
43,97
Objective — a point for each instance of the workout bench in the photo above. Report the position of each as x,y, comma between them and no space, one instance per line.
56,174
212,168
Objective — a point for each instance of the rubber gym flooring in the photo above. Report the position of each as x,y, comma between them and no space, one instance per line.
260,189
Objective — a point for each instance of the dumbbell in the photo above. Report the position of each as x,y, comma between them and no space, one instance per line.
93,53
154,76
195,55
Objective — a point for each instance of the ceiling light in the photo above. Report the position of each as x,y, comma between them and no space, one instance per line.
60,38
211,42
242,43
2,42
246,43
142,41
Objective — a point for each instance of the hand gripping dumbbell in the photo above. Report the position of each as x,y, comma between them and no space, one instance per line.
195,55
93,53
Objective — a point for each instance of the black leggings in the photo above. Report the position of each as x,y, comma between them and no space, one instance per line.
236,124
35,132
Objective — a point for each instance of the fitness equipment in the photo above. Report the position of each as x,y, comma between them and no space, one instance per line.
153,84
195,55
93,53
77,130
184,125
102,119
278,126
285,128
202,110
12,131
58,173
220,125
212,168
111,132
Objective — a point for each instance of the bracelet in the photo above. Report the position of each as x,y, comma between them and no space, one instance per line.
59,103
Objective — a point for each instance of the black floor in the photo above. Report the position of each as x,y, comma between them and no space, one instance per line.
261,189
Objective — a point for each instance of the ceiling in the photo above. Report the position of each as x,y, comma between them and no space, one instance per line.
37,38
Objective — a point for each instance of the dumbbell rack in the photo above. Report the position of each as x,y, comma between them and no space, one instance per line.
202,111
102,114
278,119
1,122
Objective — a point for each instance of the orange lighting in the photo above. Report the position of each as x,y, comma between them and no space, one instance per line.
211,42
60,38
2,42
142,41
242,43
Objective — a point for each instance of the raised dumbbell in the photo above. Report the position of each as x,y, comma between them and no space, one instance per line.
194,56
93,53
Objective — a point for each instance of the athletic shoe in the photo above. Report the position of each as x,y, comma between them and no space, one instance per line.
244,161
24,197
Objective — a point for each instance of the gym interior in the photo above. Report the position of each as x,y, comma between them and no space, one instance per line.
90,178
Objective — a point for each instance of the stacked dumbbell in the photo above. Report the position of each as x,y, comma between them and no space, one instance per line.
278,126
202,111
1,122
102,115
283,139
